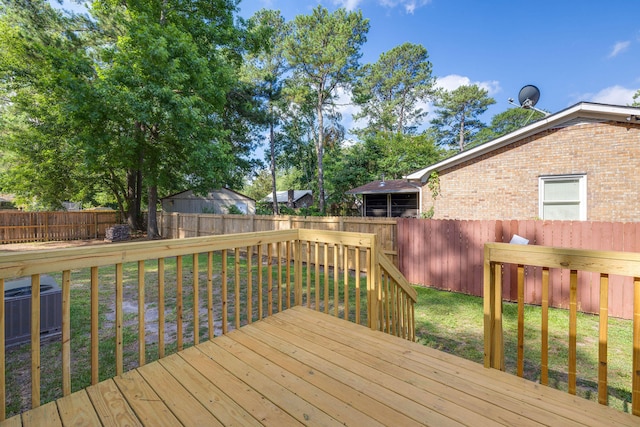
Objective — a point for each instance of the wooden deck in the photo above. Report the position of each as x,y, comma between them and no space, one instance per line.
300,367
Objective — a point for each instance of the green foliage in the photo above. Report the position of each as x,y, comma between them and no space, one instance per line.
233,210
391,89
504,123
142,97
457,115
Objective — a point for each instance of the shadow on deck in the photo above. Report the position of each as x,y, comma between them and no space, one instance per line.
301,367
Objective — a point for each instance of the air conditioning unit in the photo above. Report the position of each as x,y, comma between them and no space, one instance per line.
17,309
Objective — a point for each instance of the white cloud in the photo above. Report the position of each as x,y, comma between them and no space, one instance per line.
454,81
616,95
347,4
409,5
618,48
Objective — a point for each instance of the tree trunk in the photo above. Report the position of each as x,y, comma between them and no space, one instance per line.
461,141
152,219
132,212
273,162
320,153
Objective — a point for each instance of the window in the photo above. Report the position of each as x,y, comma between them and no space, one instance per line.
563,197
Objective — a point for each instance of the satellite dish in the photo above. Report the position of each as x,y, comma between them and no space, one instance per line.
529,96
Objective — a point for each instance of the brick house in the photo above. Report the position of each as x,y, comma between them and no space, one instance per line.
581,163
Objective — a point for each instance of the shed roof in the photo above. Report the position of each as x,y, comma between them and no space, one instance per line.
385,187
283,196
578,113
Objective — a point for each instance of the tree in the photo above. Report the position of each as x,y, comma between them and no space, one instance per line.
636,99
266,69
323,50
506,122
42,59
457,114
141,97
391,90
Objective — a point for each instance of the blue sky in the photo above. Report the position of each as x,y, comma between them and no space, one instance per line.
571,50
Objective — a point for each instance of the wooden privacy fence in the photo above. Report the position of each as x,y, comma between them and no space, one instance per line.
180,225
23,227
226,281
574,263
448,254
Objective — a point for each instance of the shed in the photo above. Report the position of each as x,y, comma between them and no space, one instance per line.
214,202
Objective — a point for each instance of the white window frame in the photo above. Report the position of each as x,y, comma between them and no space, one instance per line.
582,190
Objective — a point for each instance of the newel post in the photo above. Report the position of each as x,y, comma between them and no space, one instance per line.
493,341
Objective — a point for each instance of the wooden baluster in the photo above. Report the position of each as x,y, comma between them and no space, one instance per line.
357,280
288,273
95,338
544,350
308,274
237,288
160,308
260,283
66,332
210,295
345,265
520,364
270,280
249,285
325,269
196,300
35,340
573,322
336,281
602,342
119,321
317,274
224,296
179,305
279,255
141,311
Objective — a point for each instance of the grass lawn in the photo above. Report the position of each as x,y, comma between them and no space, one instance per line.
453,323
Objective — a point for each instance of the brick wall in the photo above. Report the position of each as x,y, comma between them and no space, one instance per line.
503,184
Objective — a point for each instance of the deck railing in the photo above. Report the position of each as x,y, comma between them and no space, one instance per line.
576,262
253,276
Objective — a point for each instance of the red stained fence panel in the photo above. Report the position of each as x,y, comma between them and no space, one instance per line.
448,254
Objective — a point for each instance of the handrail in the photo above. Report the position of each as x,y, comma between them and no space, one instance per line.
274,262
573,260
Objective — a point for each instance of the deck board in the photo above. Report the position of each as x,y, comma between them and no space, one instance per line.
300,367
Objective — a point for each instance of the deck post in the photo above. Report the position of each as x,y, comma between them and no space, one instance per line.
493,345
373,293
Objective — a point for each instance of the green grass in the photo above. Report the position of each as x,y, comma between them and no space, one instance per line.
453,323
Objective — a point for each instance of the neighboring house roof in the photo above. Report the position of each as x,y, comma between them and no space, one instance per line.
6,198
385,187
283,196
190,192
580,113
